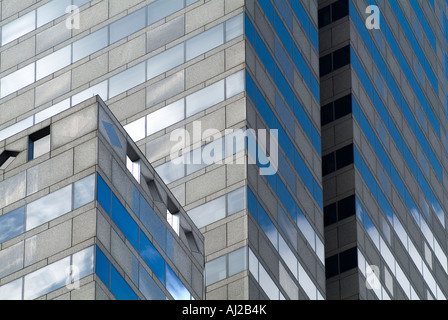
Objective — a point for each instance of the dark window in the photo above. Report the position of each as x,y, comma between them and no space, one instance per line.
39,143
346,208
339,10
6,158
324,17
343,106
331,266
328,164
325,65
330,215
344,157
348,260
326,114
341,57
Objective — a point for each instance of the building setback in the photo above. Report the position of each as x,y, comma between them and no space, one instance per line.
384,133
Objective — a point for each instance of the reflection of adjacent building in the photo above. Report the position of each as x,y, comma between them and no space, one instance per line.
84,216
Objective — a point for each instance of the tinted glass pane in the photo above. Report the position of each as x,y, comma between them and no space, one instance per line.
236,201
152,257
205,98
328,165
104,194
341,57
18,27
102,267
237,261
84,191
83,260
148,287
49,207
175,286
205,41
344,157
170,172
165,61
331,266
324,17
163,8
52,10
12,290
215,270
53,62
343,106
128,25
12,224
17,80
210,212
234,27
325,65
348,260
119,287
124,222
126,80
98,89
339,9
90,44
346,207
330,216
165,117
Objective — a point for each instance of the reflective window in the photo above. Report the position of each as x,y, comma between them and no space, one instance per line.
17,80
128,25
45,280
205,98
11,259
18,27
205,41
52,111
148,287
215,270
163,8
12,290
98,89
207,213
12,224
126,80
234,27
102,267
84,191
49,207
83,260
175,286
12,189
137,129
104,194
119,287
237,261
235,84
124,221
48,12
165,61
268,285
236,201
90,44
53,62
165,117
152,257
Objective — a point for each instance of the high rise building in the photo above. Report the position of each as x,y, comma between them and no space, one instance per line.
383,77
221,96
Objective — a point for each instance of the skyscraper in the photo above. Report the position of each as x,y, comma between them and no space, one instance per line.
234,82
384,130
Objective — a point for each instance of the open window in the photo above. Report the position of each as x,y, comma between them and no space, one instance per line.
133,163
39,143
6,157
173,215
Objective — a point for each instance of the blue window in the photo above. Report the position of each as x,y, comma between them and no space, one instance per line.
252,203
286,199
102,267
175,286
152,257
120,288
124,222
12,224
104,194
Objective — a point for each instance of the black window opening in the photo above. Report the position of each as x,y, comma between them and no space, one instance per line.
337,160
6,158
341,262
336,110
333,12
339,210
334,60
39,143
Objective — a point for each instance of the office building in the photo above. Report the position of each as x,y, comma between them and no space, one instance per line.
384,133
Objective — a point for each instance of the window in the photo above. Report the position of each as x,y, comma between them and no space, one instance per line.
330,214
334,60
328,165
336,109
339,210
333,12
337,160
341,262
6,158
39,143
133,163
324,16
172,216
